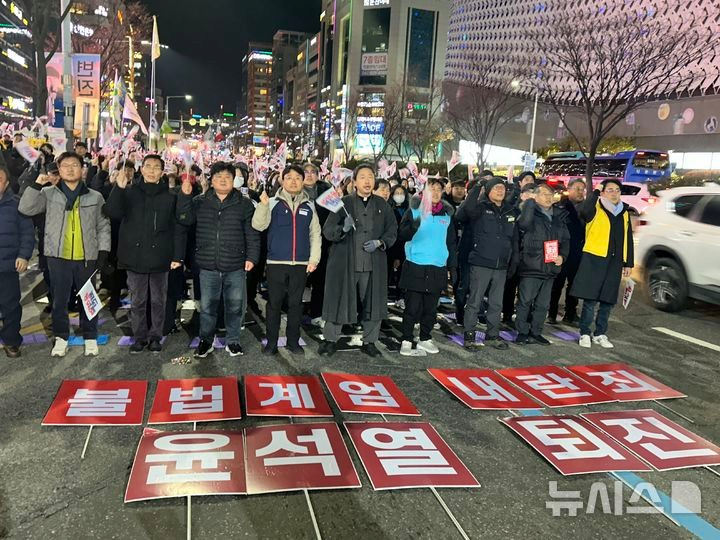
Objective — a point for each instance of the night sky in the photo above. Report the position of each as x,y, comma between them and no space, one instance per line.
208,39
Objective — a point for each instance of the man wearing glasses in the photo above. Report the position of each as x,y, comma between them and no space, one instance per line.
607,257
150,244
77,241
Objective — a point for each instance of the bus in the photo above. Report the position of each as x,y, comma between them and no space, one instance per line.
634,166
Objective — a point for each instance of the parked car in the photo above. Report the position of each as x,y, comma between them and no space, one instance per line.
677,247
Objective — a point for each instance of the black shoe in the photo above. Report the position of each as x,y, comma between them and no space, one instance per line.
138,347
327,348
295,349
234,349
204,348
270,350
469,341
521,339
497,342
460,320
509,323
12,352
552,320
572,319
155,346
538,339
370,349
47,309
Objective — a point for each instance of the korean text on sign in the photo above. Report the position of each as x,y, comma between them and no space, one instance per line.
368,394
278,395
87,403
196,400
482,389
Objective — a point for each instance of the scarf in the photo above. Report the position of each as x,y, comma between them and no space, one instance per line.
437,208
615,210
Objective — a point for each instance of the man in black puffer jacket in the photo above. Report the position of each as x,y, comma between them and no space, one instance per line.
544,243
491,221
150,244
227,248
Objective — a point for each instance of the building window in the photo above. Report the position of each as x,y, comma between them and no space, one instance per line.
375,38
421,46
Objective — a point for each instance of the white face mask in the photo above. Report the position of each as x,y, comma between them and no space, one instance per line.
238,181
399,199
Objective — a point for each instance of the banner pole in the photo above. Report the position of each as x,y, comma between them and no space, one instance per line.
673,411
189,518
309,504
87,440
449,513
712,470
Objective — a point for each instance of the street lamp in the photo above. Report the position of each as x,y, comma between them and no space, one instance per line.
187,97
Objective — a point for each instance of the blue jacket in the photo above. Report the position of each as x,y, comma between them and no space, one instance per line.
17,234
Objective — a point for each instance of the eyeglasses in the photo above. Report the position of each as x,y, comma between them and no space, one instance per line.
612,191
70,166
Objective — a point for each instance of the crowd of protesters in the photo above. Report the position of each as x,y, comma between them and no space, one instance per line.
505,252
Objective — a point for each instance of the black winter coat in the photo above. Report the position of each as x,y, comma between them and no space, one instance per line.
17,236
149,239
224,236
534,229
576,228
491,227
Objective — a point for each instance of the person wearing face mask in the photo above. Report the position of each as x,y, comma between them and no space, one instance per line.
429,237
150,244
399,203
77,242
241,176
357,266
293,253
607,258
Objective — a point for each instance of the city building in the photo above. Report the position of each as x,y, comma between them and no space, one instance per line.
284,49
16,76
256,83
489,41
369,48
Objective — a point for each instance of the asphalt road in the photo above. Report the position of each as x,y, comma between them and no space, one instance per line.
47,491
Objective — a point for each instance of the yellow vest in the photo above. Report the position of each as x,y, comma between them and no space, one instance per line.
72,247
597,233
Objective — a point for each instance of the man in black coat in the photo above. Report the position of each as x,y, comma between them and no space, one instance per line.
150,244
492,222
227,248
544,243
357,264
576,227
16,246
607,258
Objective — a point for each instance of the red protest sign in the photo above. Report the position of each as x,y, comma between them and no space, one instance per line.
552,250
177,464
368,394
290,457
482,389
196,400
624,383
661,442
407,455
94,403
554,387
282,395
573,445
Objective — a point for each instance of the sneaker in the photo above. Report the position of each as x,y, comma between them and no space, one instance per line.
540,340
497,342
234,349
295,349
317,321
204,348
155,346
60,347
521,339
138,347
603,341
585,341
400,304
370,349
327,348
91,347
11,352
270,350
428,346
406,348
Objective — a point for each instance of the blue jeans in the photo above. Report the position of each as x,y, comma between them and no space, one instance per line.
232,287
601,322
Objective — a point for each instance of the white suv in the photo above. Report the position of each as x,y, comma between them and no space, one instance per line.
677,247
